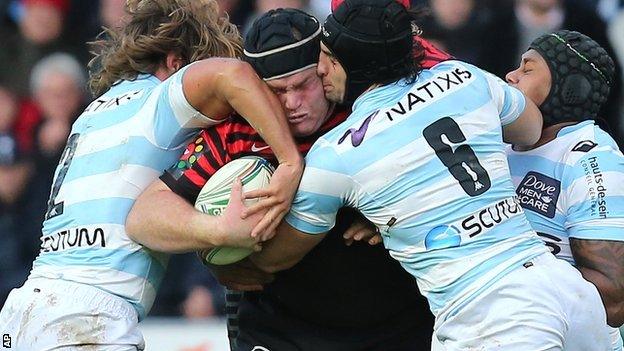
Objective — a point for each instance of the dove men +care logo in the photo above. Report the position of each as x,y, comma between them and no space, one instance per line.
539,193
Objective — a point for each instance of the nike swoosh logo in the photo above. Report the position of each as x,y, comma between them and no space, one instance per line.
254,148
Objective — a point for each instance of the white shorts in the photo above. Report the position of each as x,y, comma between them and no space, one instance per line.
544,305
46,314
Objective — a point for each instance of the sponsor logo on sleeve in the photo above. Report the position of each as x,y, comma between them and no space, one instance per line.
584,146
539,193
596,189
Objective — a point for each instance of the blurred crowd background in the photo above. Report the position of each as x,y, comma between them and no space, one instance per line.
43,74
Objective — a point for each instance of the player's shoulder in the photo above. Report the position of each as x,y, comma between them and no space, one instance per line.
237,124
463,69
449,64
454,76
584,141
123,95
230,130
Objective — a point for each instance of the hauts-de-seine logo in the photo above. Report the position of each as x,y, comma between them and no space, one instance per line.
539,193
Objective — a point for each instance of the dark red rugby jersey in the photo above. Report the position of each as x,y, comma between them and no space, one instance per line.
235,138
339,269
216,146
429,55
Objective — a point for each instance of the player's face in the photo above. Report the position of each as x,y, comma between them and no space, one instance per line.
303,100
532,77
333,75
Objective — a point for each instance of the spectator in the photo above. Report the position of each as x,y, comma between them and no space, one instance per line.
263,6
608,9
58,90
113,13
58,86
456,27
14,169
42,20
189,290
14,172
39,24
238,10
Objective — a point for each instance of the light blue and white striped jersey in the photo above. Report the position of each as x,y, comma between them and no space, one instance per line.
425,162
117,147
572,187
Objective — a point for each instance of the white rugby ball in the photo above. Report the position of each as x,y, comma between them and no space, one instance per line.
255,173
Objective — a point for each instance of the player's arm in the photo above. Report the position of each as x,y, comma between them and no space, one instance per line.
521,119
325,188
601,262
163,218
286,249
594,208
527,128
217,87
163,221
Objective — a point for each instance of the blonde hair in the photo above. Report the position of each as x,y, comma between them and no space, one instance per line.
192,29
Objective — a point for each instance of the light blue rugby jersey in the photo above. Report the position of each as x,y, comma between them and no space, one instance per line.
426,163
572,187
117,147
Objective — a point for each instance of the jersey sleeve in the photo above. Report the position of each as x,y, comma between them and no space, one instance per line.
173,112
509,100
325,188
594,195
201,159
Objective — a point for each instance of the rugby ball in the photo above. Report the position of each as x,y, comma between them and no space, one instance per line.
255,173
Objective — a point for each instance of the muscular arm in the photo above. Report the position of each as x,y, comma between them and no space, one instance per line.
165,222
286,249
217,87
602,263
149,222
526,129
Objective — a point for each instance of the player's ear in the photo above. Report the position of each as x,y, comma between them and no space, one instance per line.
174,62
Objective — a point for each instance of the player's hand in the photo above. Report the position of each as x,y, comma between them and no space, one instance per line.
362,230
241,276
276,199
235,230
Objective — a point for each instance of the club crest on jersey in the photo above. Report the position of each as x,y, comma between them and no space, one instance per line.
539,193
584,146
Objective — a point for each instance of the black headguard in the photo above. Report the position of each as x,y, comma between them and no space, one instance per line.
282,42
582,73
372,40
